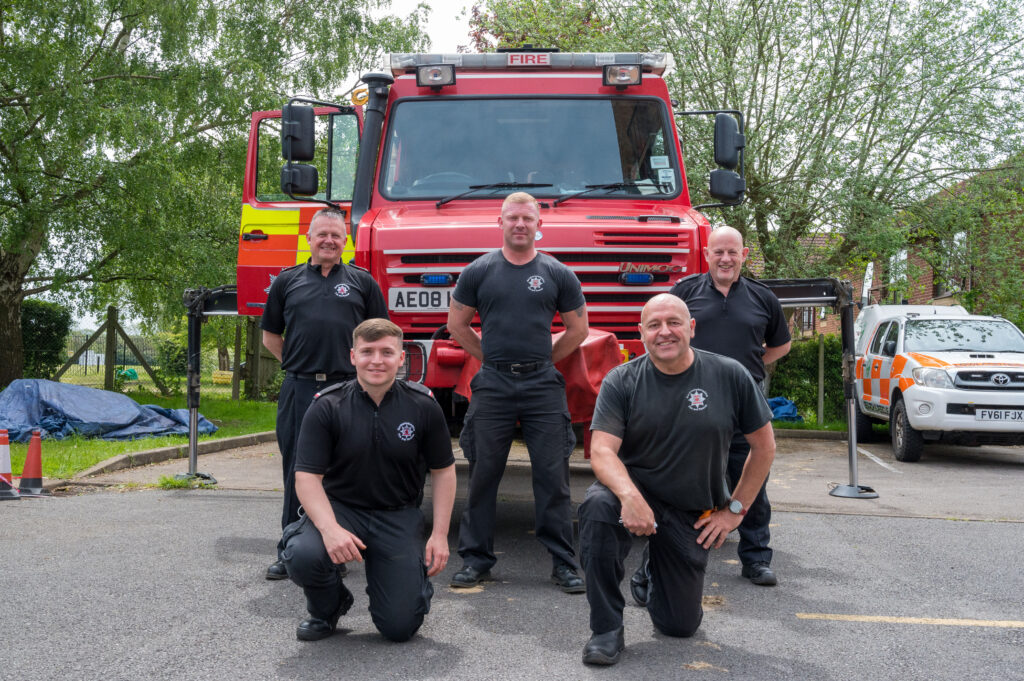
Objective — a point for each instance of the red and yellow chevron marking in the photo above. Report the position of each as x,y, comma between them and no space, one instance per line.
286,244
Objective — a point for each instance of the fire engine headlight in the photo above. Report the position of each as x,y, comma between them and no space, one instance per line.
622,75
932,378
435,75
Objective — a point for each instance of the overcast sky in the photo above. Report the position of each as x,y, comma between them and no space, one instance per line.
446,28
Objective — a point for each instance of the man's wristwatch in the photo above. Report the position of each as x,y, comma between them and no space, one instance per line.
736,507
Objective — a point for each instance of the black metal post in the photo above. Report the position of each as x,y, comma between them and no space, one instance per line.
853,490
194,300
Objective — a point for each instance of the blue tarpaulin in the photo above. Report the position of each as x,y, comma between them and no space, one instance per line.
783,409
60,409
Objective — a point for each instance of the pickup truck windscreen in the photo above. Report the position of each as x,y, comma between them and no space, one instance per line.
440,147
968,335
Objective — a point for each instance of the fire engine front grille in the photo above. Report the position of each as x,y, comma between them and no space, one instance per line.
439,258
665,239
640,298
613,278
612,257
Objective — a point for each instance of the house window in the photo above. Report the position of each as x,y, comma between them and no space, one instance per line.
897,270
806,320
955,267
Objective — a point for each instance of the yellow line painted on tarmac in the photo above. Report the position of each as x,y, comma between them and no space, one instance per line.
883,619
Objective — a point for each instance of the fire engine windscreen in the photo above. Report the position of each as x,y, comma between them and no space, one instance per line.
436,147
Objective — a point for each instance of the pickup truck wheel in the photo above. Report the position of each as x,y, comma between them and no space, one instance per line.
907,443
863,425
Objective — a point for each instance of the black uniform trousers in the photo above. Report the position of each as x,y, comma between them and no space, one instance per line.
537,401
294,399
396,578
754,532
677,564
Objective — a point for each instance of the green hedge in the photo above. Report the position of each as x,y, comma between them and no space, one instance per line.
796,377
44,330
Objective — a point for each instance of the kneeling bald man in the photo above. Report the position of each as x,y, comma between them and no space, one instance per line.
661,433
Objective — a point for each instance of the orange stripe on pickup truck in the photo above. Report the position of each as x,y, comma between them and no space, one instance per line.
897,366
928,360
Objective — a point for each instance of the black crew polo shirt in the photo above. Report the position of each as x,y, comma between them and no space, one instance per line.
374,457
316,315
676,428
517,304
736,326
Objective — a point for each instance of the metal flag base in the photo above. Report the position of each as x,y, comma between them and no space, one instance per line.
854,492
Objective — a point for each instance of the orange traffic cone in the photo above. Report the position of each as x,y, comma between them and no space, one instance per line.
31,484
7,490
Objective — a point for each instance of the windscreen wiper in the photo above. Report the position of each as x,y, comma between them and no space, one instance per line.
609,187
496,185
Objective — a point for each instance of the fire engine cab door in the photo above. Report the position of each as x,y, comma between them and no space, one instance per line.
274,226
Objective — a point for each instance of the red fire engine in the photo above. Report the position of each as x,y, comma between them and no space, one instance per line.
422,167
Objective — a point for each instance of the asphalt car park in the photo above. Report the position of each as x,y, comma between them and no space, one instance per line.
115,581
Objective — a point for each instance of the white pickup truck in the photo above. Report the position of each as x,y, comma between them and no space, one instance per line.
938,374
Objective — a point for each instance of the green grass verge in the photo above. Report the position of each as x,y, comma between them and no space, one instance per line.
810,425
64,458
881,430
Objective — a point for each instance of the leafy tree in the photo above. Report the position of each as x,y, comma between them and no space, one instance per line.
122,135
45,327
796,376
855,109
578,27
972,237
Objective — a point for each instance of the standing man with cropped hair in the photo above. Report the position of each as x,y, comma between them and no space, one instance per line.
307,325
517,292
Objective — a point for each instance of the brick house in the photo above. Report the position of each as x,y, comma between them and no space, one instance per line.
935,270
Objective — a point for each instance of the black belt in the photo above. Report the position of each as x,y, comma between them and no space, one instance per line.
321,378
517,368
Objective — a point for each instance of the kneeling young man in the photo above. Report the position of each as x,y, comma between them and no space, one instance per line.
362,457
661,432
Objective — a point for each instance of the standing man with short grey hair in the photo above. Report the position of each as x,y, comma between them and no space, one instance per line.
307,325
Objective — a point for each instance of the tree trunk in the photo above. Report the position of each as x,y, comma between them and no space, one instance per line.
12,353
223,358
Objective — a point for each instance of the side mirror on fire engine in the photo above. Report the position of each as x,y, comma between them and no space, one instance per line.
298,133
727,186
728,141
300,179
